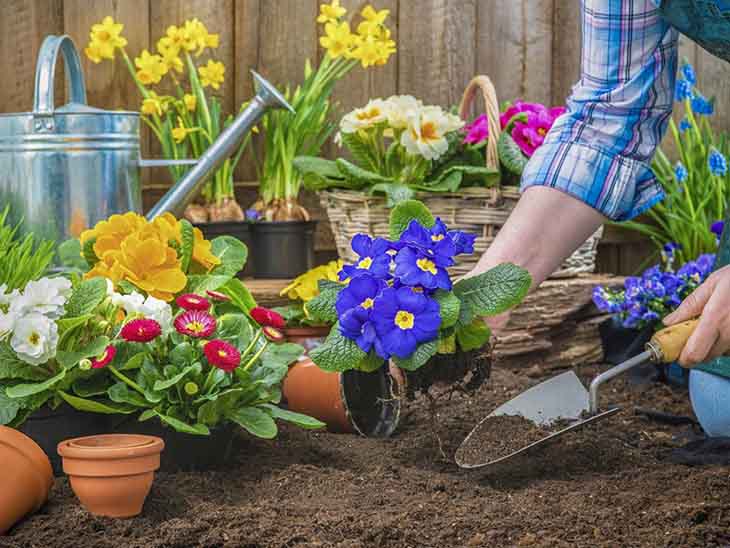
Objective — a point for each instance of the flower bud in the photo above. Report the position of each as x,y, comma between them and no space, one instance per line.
191,388
273,334
85,364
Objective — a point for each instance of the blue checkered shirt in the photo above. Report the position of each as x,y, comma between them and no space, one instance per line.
600,150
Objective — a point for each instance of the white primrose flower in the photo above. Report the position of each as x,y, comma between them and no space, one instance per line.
46,296
35,338
7,323
5,297
135,304
131,304
398,107
426,132
363,118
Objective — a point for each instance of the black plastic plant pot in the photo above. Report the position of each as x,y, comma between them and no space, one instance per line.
240,230
467,370
621,343
282,249
49,427
184,452
373,401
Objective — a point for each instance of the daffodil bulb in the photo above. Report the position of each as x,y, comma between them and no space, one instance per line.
35,338
46,296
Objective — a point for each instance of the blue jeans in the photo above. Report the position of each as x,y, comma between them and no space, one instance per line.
710,395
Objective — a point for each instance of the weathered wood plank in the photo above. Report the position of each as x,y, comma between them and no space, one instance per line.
514,47
23,26
566,48
436,42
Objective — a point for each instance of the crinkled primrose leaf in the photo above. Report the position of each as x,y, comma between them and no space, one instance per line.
496,290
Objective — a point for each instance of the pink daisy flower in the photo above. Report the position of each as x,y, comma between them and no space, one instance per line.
195,323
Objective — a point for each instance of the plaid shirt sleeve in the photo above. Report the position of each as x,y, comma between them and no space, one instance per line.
600,150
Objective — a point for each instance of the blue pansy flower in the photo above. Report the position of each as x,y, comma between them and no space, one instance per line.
717,162
700,105
403,320
415,266
680,172
689,73
684,125
354,307
372,259
682,90
668,252
716,228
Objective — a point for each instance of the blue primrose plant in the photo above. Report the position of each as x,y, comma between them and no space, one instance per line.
397,301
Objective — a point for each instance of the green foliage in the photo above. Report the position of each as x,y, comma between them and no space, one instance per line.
510,155
23,259
86,297
449,305
321,309
233,254
424,352
337,353
494,291
405,212
473,336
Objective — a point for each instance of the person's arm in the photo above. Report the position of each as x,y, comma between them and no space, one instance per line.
595,162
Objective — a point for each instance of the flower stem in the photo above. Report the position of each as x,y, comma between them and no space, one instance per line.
126,380
255,356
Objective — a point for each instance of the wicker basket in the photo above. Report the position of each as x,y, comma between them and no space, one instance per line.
478,210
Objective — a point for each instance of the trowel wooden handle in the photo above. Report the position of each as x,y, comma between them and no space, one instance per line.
668,343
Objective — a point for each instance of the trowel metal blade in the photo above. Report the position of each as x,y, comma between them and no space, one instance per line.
560,398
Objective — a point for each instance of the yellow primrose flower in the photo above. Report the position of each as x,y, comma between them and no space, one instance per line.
375,112
190,102
180,132
306,286
110,232
426,131
202,251
338,40
330,13
212,74
151,68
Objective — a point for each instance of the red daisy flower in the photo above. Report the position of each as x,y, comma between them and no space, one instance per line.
195,323
217,296
273,334
222,355
191,301
141,330
264,316
105,359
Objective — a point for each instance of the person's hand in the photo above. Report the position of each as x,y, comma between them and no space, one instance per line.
711,302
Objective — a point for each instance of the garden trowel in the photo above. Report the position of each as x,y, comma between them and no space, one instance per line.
564,399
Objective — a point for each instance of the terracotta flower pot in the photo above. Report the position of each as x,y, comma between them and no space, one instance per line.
353,401
27,477
309,337
112,474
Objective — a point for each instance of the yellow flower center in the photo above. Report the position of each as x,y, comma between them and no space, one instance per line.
367,303
429,132
365,263
195,327
222,354
427,265
404,319
437,237
417,289
366,115
34,338
541,131
103,35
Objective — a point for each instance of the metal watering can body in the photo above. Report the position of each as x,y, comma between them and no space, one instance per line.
64,169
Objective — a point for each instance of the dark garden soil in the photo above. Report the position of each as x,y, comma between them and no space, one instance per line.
610,484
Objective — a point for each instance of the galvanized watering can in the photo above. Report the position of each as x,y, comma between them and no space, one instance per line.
63,169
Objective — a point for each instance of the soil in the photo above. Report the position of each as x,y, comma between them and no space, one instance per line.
610,484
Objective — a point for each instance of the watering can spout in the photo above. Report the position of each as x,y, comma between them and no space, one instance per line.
179,196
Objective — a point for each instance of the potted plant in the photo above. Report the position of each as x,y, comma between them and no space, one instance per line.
158,327
186,121
401,306
285,225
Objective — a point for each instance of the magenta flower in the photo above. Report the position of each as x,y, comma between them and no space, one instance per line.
531,135
478,131
516,108
195,323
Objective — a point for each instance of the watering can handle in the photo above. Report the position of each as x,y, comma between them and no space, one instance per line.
45,73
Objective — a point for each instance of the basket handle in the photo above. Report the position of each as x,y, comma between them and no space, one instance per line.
484,84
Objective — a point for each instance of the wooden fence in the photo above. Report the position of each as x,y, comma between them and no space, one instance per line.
530,49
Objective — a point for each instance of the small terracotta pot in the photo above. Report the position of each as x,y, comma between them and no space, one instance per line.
309,337
27,477
366,403
112,474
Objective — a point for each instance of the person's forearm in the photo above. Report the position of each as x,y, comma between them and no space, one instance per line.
545,227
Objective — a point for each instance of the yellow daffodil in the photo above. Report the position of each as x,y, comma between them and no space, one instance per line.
95,52
170,54
106,37
330,13
212,74
189,101
180,132
151,68
197,37
338,39
375,112
174,40
306,286
369,51
154,104
212,41
373,21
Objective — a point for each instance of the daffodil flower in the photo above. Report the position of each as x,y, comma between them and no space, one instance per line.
331,13
180,132
190,102
212,74
151,68
338,39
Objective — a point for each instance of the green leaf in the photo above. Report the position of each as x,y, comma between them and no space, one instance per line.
303,421
473,336
67,324
371,362
449,183
96,385
69,255
405,212
28,389
494,291
233,254
121,393
182,354
89,253
195,429
322,307
447,345
256,421
510,155
395,193
187,237
95,348
8,408
318,166
422,354
135,362
161,385
12,367
359,175
239,294
337,353
236,329
86,297
95,406
146,415
360,150
449,306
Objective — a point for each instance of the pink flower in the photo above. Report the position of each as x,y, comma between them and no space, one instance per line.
529,136
516,108
222,355
273,334
141,330
478,131
105,359
217,295
195,323
266,317
191,301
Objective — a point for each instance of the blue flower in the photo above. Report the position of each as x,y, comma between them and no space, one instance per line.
668,253
252,215
682,90
684,125
403,320
717,227
463,241
414,266
354,307
700,105
717,162
373,258
689,73
434,242
680,172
